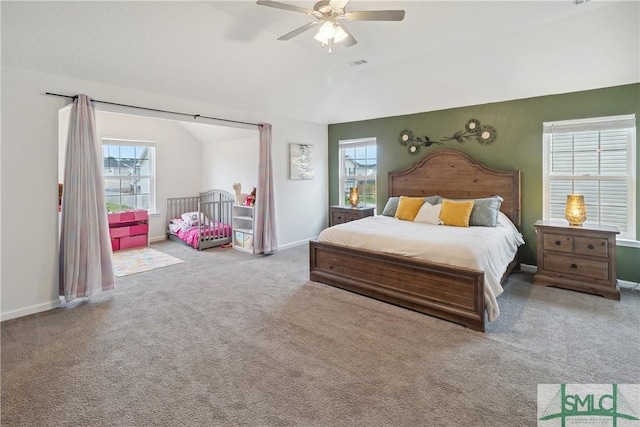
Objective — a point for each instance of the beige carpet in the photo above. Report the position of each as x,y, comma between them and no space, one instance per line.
230,339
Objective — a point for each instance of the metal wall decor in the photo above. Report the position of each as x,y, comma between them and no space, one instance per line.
301,161
472,130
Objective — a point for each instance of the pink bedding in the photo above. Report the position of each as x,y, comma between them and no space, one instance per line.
191,236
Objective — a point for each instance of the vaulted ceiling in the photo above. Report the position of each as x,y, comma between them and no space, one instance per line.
444,54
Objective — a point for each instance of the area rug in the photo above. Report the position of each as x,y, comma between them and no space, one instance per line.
137,260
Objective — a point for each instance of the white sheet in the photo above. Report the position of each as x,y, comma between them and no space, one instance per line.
489,249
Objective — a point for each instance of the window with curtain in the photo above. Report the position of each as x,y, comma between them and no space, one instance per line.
358,168
128,168
596,158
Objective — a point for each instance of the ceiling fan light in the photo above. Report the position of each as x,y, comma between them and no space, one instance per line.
340,34
321,38
326,32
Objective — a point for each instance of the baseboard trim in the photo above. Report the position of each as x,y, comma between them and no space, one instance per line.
627,284
39,308
298,243
526,268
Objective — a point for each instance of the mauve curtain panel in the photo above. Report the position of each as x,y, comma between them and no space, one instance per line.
266,235
86,266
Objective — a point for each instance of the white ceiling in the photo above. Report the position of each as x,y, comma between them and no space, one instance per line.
444,54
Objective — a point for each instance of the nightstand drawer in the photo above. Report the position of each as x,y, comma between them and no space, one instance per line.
337,217
352,216
576,266
557,242
591,246
342,214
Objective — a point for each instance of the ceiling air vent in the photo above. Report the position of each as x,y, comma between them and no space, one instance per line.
357,62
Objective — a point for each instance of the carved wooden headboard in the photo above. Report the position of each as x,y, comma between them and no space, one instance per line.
453,174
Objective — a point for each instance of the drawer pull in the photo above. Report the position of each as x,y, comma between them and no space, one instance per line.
574,266
590,246
558,243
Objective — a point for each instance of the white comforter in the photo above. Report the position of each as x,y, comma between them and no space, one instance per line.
489,249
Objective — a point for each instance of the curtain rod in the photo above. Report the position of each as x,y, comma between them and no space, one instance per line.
195,116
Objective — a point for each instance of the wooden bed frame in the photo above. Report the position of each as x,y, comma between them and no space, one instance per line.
448,292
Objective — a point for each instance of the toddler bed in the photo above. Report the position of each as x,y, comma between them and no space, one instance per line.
202,221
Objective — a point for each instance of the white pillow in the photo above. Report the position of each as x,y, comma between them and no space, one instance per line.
429,214
191,218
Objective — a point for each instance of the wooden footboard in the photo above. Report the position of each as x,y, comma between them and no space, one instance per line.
450,293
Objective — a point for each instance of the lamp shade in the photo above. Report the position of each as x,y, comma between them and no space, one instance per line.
575,211
340,34
326,32
354,197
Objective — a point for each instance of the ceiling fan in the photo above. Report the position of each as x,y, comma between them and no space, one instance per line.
327,14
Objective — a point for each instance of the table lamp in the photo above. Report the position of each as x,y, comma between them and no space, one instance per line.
575,211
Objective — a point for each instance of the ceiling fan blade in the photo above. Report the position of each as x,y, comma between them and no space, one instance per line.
350,40
375,15
298,31
284,6
338,4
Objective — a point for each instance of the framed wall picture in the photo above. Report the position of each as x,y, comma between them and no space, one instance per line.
301,161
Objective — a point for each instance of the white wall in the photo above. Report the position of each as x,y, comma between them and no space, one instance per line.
226,162
29,169
178,166
302,205
173,178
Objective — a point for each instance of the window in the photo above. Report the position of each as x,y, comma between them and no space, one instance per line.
129,174
358,164
595,158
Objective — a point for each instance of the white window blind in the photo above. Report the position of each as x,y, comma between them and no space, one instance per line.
596,158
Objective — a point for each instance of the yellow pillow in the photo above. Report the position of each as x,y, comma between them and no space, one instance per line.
456,213
408,207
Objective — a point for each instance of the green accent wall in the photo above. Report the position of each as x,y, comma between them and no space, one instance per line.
518,146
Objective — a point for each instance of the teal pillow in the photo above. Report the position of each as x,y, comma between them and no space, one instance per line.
391,207
485,211
433,200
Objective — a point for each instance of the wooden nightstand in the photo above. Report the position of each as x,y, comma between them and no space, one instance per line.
578,258
342,214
